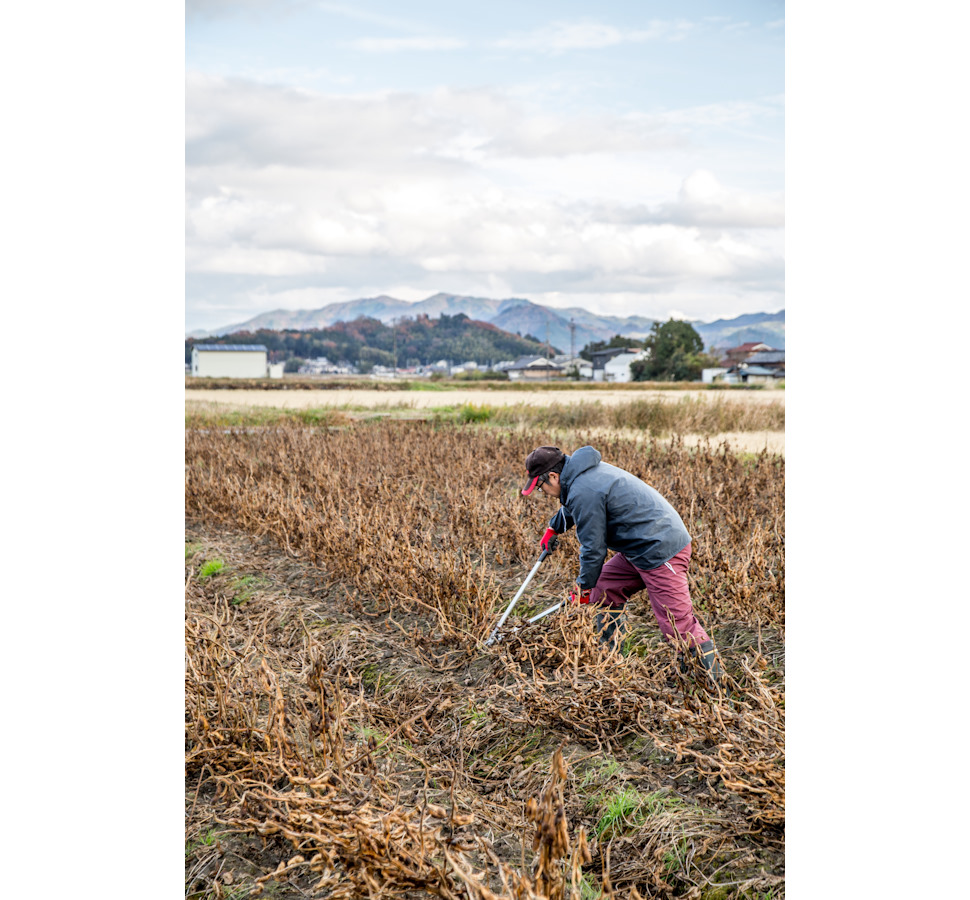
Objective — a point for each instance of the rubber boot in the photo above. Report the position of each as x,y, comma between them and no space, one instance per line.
707,654
611,628
709,660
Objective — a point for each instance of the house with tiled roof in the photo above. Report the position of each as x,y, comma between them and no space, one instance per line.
535,368
768,359
758,367
740,353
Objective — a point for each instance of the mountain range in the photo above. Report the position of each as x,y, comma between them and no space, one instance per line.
568,329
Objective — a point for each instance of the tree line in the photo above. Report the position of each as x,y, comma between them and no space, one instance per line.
366,342
675,349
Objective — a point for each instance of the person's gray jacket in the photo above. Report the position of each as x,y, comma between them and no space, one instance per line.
614,510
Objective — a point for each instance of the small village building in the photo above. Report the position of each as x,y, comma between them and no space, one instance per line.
751,363
582,367
740,353
767,359
602,357
748,374
759,375
229,361
535,368
617,368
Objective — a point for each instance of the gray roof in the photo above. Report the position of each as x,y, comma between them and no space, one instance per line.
766,356
758,370
534,362
250,347
602,356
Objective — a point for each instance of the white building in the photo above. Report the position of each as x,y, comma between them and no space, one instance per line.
229,361
618,368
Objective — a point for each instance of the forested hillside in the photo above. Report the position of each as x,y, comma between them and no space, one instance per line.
367,342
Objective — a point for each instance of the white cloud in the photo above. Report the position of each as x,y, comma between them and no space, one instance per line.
703,201
590,35
293,191
728,113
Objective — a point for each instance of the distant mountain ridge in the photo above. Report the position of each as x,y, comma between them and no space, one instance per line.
516,316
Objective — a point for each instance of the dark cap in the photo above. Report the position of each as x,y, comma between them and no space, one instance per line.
538,463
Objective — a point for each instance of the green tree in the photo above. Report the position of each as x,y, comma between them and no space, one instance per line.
615,341
676,353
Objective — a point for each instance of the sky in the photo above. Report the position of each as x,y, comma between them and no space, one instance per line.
627,157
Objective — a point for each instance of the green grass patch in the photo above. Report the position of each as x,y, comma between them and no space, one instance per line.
474,716
366,732
627,809
474,413
479,376
206,839
599,771
210,567
370,675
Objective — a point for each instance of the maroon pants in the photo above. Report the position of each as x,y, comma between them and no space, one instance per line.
666,588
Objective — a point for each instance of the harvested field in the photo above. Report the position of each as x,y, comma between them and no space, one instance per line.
426,399
749,421
349,735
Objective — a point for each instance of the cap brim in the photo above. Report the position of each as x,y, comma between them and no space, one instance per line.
531,486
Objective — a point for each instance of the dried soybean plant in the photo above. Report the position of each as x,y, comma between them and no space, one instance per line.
335,738
292,766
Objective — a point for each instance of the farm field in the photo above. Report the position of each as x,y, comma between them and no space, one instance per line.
748,421
348,733
426,399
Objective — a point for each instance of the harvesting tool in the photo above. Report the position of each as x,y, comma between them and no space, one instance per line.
547,549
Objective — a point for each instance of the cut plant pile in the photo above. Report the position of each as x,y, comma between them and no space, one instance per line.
348,734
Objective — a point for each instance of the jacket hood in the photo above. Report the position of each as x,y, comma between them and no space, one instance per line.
584,458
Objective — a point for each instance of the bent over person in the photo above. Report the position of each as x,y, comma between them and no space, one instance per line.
614,510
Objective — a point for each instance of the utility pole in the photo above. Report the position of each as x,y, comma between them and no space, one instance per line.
572,338
394,327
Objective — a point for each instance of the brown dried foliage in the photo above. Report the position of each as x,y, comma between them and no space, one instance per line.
359,721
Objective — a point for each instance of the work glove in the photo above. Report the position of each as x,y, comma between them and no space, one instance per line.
577,596
549,540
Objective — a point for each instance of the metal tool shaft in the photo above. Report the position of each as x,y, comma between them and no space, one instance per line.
515,599
545,612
